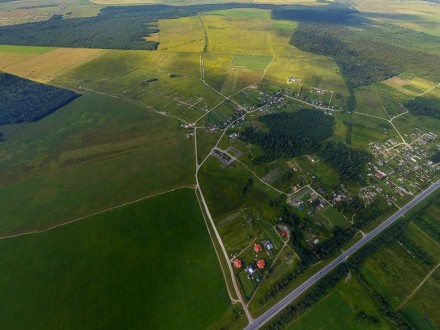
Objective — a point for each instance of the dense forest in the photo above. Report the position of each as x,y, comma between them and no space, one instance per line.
122,27
424,106
290,134
347,161
363,58
23,100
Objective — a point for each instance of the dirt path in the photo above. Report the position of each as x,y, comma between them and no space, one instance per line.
413,292
39,231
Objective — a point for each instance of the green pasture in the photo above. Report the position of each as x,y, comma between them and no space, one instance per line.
223,189
367,129
95,153
339,308
132,267
330,217
24,49
251,62
206,140
216,68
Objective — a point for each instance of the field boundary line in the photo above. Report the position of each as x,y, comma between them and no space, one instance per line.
95,213
413,292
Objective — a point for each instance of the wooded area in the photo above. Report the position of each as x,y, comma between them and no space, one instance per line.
424,106
23,100
290,134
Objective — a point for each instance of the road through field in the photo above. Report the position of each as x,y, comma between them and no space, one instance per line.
287,300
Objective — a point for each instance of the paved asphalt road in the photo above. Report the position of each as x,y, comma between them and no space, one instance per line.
287,300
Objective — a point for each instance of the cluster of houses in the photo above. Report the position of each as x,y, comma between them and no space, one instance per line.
253,270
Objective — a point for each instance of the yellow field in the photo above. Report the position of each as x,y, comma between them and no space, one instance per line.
181,35
314,70
240,78
46,67
238,35
418,83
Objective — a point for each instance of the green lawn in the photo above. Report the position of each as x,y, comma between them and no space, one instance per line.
146,265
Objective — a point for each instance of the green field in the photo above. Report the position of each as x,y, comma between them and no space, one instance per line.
149,264
339,309
76,162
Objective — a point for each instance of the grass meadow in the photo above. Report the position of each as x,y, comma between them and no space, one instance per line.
95,153
146,265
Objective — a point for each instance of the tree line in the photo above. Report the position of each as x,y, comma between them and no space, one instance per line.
23,100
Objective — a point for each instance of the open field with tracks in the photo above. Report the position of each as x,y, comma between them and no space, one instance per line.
134,266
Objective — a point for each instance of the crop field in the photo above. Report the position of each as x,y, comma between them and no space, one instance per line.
216,68
181,35
11,55
45,66
236,35
122,265
311,70
418,16
75,151
250,62
339,310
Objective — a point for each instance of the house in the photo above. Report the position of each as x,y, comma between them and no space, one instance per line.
268,245
250,270
237,263
261,263
257,247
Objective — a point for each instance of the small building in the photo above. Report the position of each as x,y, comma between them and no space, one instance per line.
250,270
268,245
257,247
261,263
237,263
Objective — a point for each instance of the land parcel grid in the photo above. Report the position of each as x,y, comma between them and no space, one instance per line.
146,265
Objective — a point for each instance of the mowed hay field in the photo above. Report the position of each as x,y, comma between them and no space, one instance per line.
149,265
181,35
95,153
41,65
237,35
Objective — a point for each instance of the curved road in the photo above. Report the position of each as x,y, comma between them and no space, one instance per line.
287,300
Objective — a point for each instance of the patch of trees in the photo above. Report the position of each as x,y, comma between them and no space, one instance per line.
383,306
319,291
347,161
424,106
332,13
366,319
290,134
307,254
363,57
364,215
23,100
436,157
121,27
416,251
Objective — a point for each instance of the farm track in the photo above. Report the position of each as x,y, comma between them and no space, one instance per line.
39,231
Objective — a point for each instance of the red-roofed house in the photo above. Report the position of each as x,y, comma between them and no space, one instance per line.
257,247
237,263
260,263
